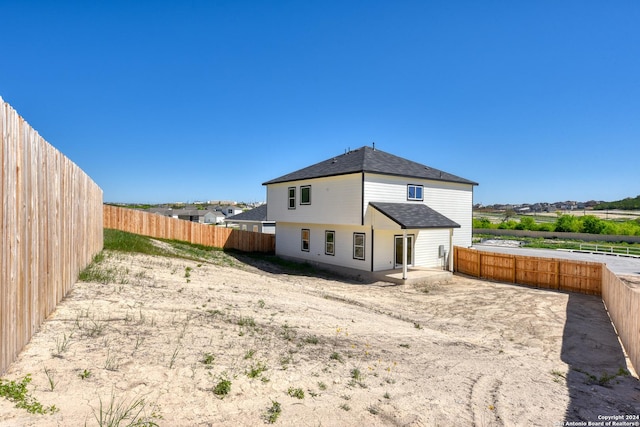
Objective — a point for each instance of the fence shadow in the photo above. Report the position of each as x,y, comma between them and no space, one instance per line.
596,379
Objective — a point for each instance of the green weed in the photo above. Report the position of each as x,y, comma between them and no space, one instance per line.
298,393
51,377
256,370
222,388
208,359
273,412
17,393
130,413
336,356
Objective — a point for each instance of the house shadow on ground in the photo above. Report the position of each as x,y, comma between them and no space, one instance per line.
273,264
598,382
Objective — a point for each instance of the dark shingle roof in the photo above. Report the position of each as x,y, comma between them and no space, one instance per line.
255,214
367,159
414,215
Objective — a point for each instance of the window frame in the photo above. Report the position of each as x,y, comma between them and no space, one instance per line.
331,233
291,198
302,188
415,187
363,246
307,240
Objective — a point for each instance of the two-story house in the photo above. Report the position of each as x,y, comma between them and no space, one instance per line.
371,211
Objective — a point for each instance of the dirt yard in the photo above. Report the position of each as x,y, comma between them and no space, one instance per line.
242,342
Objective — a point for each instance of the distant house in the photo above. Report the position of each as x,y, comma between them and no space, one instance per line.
229,210
371,211
195,215
253,220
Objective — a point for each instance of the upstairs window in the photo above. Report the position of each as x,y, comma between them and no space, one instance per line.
305,195
415,192
292,197
305,240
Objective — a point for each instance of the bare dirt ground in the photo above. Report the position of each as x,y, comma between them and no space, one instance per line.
163,338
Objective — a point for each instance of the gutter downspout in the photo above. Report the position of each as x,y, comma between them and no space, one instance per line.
404,254
451,250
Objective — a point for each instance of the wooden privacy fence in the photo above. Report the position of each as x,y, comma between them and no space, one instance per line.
622,302
549,273
623,305
50,229
162,227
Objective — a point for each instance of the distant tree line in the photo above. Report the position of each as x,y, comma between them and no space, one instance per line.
624,204
566,223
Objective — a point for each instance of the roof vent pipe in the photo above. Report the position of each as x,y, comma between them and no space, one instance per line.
374,146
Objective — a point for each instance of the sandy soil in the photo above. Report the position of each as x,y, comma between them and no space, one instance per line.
469,352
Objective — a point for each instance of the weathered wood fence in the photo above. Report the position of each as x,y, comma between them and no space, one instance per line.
162,227
622,302
50,229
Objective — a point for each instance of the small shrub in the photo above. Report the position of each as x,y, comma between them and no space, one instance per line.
208,359
356,374
296,392
273,412
247,321
256,370
222,388
336,356
311,339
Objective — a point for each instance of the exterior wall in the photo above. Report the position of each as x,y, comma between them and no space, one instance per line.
334,199
452,200
289,243
425,251
427,248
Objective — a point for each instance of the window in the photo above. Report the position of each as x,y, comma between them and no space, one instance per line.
329,242
305,195
415,192
358,246
292,197
305,239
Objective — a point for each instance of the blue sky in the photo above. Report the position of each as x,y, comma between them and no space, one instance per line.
205,100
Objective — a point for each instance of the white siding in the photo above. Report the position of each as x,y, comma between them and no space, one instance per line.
452,200
383,257
427,247
334,200
289,244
